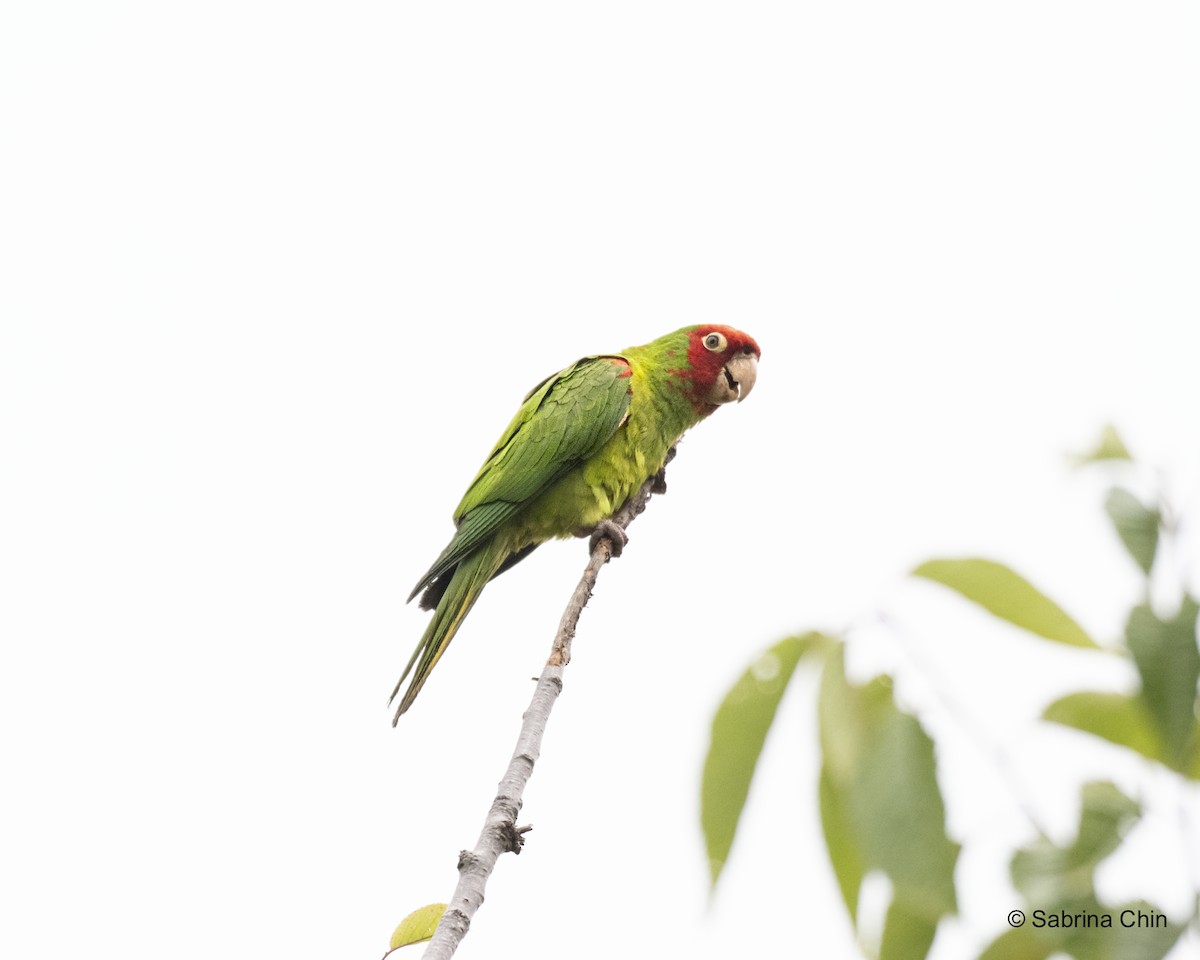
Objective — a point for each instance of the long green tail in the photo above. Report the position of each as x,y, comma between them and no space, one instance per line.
468,581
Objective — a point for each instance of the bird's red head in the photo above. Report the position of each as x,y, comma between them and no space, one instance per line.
723,365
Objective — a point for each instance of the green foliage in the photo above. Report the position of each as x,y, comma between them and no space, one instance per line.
1019,943
845,853
880,805
1007,595
1114,942
1058,884
908,931
1168,662
1137,525
1052,876
1115,717
1160,720
418,926
1109,446
882,809
739,731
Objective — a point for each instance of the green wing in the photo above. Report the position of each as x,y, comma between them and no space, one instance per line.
563,421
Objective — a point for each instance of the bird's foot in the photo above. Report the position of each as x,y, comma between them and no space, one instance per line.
658,483
612,532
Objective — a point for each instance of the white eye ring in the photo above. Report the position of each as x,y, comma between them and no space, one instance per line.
716,342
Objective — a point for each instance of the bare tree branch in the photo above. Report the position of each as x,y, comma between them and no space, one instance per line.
500,831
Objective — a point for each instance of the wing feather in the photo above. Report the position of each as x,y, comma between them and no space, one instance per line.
563,421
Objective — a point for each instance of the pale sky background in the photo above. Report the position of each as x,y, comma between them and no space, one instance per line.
273,277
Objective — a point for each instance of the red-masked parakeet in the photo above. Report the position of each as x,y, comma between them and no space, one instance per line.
583,442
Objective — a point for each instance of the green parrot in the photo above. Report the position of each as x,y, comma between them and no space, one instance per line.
583,442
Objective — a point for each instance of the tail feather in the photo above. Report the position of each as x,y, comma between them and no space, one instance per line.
437,586
469,578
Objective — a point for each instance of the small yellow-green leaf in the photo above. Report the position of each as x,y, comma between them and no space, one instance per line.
739,731
1110,446
1009,596
1137,525
1115,717
418,926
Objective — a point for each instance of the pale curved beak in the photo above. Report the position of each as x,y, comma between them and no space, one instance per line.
736,379
740,374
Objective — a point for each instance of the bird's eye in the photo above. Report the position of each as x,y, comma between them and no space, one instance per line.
715,342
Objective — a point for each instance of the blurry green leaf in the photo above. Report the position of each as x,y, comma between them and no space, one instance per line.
1088,931
1115,717
844,853
907,932
1009,596
1109,447
1126,939
1019,943
1058,883
1137,525
418,926
1049,875
1168,661
739,731
881,807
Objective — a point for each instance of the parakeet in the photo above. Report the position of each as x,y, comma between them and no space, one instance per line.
583,442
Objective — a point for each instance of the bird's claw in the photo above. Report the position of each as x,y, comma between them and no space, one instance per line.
658,483
613,533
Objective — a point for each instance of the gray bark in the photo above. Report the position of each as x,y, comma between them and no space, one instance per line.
500,831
